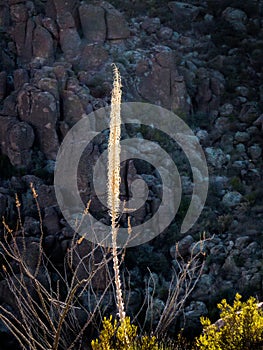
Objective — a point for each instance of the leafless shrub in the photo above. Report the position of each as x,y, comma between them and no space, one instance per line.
45,314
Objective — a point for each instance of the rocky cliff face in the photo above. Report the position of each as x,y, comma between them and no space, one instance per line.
200,59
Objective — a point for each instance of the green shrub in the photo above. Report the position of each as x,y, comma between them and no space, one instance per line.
122,336
242,327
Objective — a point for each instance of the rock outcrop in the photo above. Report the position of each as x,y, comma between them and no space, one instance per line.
200,59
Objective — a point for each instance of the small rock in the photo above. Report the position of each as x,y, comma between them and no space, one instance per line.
240,148
192,314
222,124
165,33
216,157
184,245
236,17
232,199
242,242
242,136
255,151
249,112
51,26
226,110
202,135
151,25
259,122
242,91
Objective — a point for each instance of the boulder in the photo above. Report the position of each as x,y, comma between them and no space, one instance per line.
184,14
20,78
16,141
183,248
92,57
69,38
93,24
40,110
21,138
209,89
51,220
86,260
72,108
236,17
43,44
18,13
161,84
46,196
117,27
56,8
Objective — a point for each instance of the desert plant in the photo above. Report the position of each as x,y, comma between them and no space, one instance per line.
114,180
122,336
44,314
240,327
112,337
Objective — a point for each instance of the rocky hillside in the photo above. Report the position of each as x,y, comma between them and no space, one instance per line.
200,59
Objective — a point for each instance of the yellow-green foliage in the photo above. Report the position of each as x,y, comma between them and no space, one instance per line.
122,336
242,327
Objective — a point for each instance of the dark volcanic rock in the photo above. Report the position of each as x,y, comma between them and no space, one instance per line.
93,23
69,38
85,260
72,108
21,136
92,57
184,14
20,78
40,109
4,16
21,139
55,8
117,27
161,84
3,78
18,12
43,44
16,139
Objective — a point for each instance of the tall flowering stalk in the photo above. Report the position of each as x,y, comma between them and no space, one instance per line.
114,180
